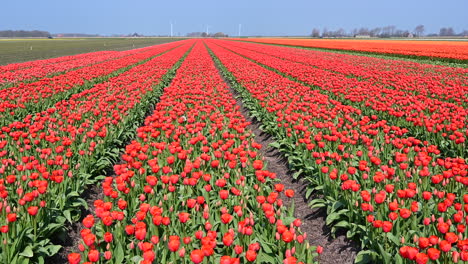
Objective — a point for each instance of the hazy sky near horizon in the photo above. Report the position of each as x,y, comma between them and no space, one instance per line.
258,17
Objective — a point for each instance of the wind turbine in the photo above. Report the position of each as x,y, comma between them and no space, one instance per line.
171,28
240,27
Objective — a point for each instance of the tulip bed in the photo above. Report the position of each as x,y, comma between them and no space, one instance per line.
14,73
448,50
380,143
192,187
49,157
19,101
445,83
396,193
435,120
41,63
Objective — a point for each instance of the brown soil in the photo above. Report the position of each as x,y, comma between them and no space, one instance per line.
73,237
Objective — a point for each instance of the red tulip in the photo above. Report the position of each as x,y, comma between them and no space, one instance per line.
251,255
289,193
223,194
108,237
287,236
174,244
387,226
319,249
184,217
433,253
290,260
422,258
32,210
258,164
11,218
93,255
74,258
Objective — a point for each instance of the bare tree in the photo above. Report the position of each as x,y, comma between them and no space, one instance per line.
363,31
385,32
340,32
447,32
325,33
392,30
419,30
401,33
315,33
375,32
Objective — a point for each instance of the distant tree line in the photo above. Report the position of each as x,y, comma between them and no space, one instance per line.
75,35
384,32
205,35
23,34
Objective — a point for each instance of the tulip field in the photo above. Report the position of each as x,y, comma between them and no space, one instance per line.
456,51
379,144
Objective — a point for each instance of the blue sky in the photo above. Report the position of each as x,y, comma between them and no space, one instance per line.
258,17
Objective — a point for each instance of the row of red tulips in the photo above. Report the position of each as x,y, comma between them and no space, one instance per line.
27,98
192,187
445,83
395,193
430,119
40,63
44,68
455,51
49,157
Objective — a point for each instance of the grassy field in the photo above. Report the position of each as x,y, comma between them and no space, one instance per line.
20,50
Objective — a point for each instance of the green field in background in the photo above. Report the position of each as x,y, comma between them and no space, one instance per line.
20,50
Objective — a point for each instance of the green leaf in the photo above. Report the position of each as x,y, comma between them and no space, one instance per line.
364,256
22,260
27,252
393,238
384,254
318,203
336,205
288,220
266,248
53,249
265,258
52,227
309,192
335,216
332,217
399,259
119,254
343,223
274,145
73,194
137,259
297,174
60,219
67,215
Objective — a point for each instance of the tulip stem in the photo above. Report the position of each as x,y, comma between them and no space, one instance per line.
5,247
